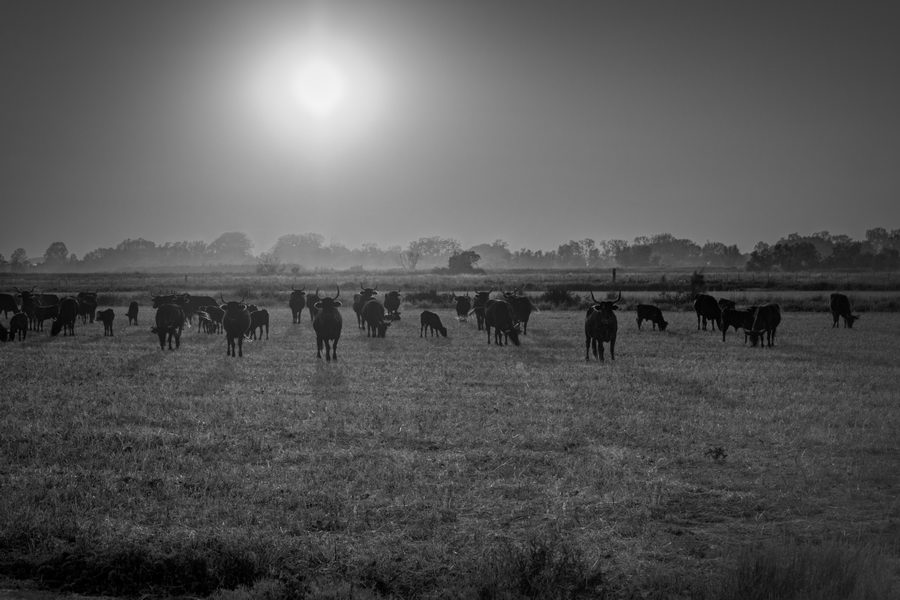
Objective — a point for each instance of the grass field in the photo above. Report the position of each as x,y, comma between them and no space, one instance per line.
450,468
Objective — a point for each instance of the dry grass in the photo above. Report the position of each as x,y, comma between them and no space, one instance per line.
439,468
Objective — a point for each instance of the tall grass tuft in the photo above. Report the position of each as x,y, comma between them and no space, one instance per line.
790,570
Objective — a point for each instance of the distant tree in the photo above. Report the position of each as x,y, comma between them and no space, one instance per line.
3,261
231,246
56,255
637,255
463,262
18,260
433,249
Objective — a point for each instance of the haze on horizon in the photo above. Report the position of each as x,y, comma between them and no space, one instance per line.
531,122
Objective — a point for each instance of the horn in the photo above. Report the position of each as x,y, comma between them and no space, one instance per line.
317,294
619,298
339,292
222,298
592,297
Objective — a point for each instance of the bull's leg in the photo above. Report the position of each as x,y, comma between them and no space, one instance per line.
334,348
318,347
162,340
240,345
327,350
600,350
612,349
587,348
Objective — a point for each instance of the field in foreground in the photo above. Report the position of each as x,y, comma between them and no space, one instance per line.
447,467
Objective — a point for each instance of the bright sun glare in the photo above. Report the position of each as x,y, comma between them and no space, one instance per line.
319,87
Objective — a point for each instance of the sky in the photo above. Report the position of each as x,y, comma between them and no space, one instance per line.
382,121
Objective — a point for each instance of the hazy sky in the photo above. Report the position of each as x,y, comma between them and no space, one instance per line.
534,122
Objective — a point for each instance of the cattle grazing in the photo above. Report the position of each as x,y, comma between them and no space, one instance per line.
374,317
840,309
297,302
132,313
259,319
392,305
214,314
169,323
327,325
433,322
707,309
726,303
648,312
8,304
236,323
522,308
18,326
463,306
359,300
106,317
65,319
191,304
478,305
766,319
601,325
87,306
499,315
204,323
739,319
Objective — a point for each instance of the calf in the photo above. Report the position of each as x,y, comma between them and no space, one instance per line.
601,325
433,322
373,314
327,325
392,305
106,317
499,315
18,326
648,312
87,306
259,319
132,313
297,302
840,309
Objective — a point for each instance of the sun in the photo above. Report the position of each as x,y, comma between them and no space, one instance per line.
319,87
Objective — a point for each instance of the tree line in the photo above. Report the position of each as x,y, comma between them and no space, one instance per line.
880,250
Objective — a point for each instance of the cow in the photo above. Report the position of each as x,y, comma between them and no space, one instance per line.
297,302
87,306
106,317
29,305
601,325
327,325
65,319
169,323
392,305
204,322
739,319
463,306
840,308
214,315
499,315
433,322
236,323
707,309
132,313
259,319
478,305
191,304
359,300
765,321
8,304
373,314
521,306
648,312
42,312
726,303
18,326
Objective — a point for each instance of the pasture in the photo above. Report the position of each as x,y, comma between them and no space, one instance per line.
447,467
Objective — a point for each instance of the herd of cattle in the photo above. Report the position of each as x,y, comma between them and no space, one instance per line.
507,314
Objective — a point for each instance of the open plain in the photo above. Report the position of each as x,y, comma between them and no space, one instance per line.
448,467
